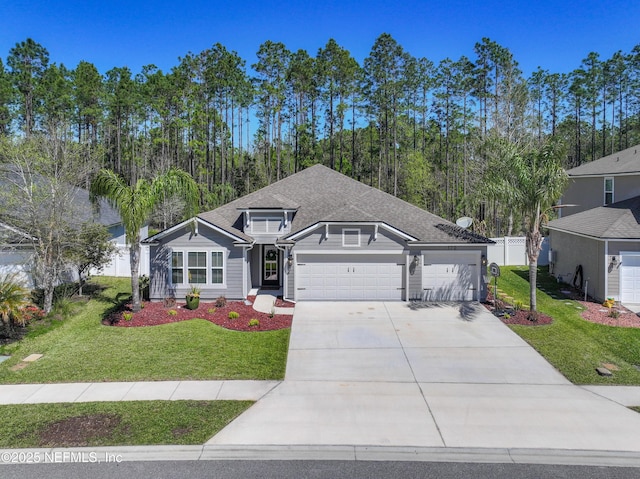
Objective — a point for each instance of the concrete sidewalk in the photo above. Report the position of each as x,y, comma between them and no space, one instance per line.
265,302
134,391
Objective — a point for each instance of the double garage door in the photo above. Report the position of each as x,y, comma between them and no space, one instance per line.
358,277
450,276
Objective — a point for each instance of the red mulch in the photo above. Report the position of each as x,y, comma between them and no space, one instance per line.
155,313
596,313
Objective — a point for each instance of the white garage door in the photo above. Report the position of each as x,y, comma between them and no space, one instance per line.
630,278
450,276
358,277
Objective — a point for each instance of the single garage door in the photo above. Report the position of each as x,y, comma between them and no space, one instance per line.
630,278
450,276
356,277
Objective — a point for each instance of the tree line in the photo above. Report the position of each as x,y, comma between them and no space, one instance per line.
409,126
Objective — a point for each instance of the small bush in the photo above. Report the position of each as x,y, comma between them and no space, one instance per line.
507,316
169,302
221,302
127,316
211,310
272,313
614,313
233,315
254,323
518,305
172,312
533,316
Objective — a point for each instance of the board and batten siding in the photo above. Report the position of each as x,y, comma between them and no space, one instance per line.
317,241
359,240
184,239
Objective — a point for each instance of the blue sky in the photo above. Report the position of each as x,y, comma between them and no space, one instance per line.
556,35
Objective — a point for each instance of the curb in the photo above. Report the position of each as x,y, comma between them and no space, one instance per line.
116,454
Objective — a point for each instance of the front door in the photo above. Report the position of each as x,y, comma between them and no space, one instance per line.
270,266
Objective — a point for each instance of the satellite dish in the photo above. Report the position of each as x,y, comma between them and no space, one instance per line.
464,222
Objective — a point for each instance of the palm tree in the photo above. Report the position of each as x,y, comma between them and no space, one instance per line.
13,299
530,181
136,203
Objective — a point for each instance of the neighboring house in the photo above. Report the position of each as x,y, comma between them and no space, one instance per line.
16,247
596,242
319,235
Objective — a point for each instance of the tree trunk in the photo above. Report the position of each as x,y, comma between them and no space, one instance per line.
134,256
534,244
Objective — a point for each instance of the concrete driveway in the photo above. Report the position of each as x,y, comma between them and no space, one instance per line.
387,374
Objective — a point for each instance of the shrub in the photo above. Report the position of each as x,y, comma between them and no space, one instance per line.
221,302
254,323
518,305
614,313
272,313
533,316
172,312
127,316
211,310
14,298
233,315
507,316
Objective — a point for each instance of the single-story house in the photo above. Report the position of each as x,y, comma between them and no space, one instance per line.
319,235
596,243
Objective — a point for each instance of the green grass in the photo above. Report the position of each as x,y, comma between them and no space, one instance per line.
573,345
83,350
128,423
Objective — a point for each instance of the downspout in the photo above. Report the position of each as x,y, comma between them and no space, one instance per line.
606,272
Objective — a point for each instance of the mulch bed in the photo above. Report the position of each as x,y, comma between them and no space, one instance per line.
593,312
155,314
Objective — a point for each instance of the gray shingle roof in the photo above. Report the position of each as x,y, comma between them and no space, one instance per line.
324,195
619,220
623,162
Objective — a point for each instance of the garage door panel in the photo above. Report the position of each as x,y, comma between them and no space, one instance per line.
450,277
358,277
630,278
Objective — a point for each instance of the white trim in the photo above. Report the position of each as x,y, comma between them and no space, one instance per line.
168,231
602,175
344,236
352,252
208,267
606,271
326,224
604,186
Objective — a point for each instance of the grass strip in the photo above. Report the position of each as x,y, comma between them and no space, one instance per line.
115,423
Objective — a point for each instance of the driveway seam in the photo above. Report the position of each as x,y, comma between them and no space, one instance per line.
437,426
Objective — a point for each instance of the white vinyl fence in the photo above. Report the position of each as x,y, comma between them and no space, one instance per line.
511,251
120,265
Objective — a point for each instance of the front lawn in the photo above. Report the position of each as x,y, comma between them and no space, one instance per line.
573,345
115,424
84,350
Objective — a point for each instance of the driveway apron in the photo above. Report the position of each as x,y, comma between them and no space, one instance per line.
416,375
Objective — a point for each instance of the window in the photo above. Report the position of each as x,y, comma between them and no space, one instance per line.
608,191
350,237
177,267
217,267
198,267
266,225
